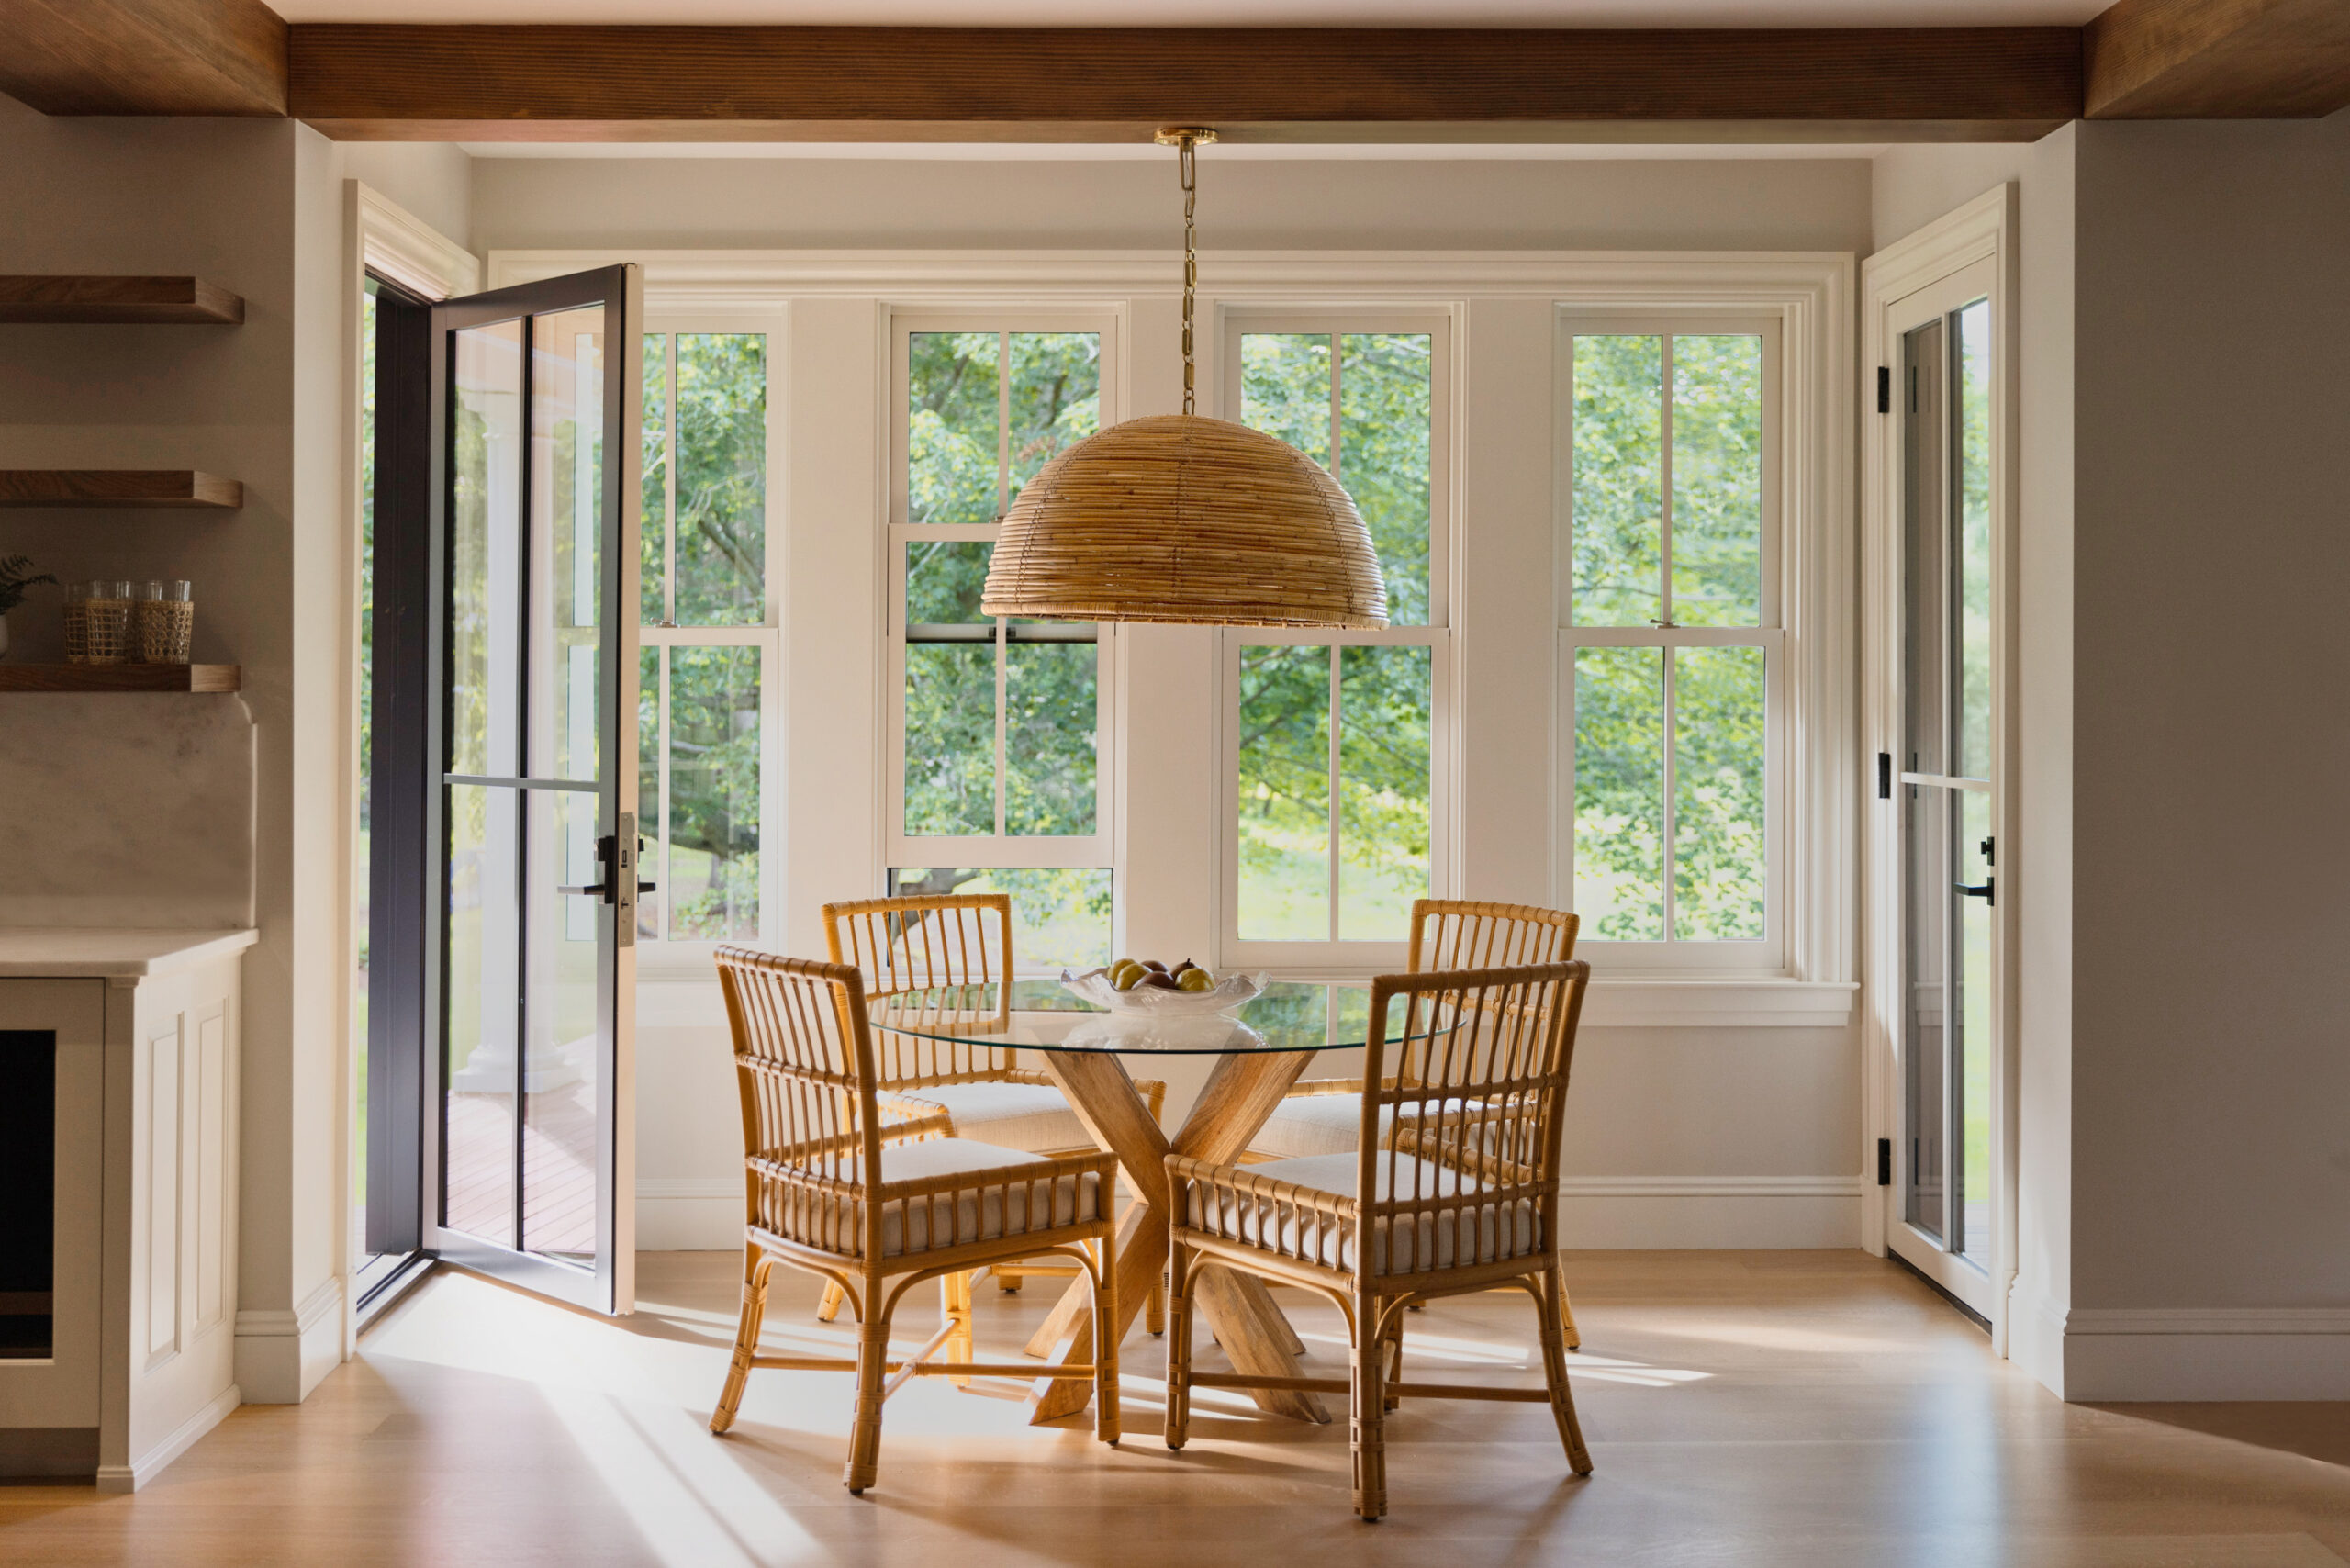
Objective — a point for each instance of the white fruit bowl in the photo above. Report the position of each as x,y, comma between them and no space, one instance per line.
1150,1001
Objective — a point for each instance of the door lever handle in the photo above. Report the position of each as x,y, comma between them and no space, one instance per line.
1983,892
598,890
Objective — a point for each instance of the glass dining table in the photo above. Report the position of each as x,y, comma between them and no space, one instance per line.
1262,1048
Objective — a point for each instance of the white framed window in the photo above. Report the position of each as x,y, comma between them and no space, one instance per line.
708,644
998,772
1337,745
1672,678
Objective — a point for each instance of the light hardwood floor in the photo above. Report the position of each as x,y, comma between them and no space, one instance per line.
1806,1408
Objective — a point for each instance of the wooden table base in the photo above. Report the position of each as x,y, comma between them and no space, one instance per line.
1243,1090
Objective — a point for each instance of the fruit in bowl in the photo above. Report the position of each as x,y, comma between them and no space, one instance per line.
1128,973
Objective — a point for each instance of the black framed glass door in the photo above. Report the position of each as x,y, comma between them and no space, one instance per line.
531,814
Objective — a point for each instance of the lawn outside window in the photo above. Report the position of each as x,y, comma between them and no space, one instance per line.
997,774
1338,744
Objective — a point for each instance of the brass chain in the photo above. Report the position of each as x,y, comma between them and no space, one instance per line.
1187,170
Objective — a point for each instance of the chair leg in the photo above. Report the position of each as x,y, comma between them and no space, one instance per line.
1153,1308
1105,1341
1554,1370
747,1336
1395,1362
872,1366
1567,1319
955,1309
830,1308
1368,1408
1179,1346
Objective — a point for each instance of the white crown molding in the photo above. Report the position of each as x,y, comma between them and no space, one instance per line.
688,280
396,244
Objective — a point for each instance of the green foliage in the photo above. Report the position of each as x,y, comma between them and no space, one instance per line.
1060,918
1381,429
1714,816
957,471
16,576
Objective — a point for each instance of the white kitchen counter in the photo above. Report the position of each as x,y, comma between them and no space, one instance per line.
64,951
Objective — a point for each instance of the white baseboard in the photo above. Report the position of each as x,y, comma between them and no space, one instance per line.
1633,1212
147,1466
281,1354
2036,1334
2123,1355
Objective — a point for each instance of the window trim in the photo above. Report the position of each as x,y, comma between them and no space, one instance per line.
1288,960
1647,959
1094,851
666,955
1813,979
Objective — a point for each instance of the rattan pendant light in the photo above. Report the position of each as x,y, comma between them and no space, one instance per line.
1181,518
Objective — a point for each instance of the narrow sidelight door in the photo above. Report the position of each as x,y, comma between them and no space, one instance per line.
1945,792
533,806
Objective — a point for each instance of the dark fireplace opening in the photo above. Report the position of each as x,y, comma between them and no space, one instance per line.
28,1192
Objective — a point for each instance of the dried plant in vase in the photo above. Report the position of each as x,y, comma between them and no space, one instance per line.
16,576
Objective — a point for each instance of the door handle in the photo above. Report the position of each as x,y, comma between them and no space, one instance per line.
1983,892
603,890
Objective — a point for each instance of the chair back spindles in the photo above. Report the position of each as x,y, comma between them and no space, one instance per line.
929,944
1464,934
1472,1131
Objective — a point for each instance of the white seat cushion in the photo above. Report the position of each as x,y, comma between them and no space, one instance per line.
1310,1125
1424,1241
1029,1116
952,1219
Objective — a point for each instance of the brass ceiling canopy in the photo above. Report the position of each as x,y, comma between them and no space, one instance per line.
1181,518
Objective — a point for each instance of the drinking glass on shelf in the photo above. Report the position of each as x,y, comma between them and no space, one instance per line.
78,595
106,623
166,623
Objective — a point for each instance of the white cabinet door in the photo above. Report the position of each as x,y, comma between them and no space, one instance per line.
51,1037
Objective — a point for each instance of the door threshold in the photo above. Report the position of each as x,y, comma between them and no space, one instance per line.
1927,1280
395,1280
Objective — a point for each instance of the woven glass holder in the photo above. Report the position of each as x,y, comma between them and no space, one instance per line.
106,631
166,631
77,627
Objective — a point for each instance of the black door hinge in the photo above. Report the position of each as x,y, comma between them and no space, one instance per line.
1885,390
1885,776
1885,1162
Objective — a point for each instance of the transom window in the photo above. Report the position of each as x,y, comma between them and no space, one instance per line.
997,780
1337,741
1671,645
703,704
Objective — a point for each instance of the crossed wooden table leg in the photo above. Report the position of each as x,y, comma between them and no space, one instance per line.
1244,1090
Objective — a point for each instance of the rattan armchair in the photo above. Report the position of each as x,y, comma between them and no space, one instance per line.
1321,1115
877,1205
1452,1187
924,942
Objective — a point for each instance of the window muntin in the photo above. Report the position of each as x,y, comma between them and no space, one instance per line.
705,706
1334,803
1671,646
996,778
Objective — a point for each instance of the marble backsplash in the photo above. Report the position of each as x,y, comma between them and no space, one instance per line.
126,809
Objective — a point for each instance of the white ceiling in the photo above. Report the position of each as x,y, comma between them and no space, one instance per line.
1220,13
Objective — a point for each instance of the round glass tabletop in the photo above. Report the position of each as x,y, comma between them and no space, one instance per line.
1039,1015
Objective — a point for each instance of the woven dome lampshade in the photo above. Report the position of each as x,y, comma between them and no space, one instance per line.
1180,517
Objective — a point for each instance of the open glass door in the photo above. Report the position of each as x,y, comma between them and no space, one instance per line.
533,813
1946,773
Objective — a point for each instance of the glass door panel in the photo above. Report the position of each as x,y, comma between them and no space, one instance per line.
1948,1015
537,833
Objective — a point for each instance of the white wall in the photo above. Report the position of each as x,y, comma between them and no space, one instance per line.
1911,187
2211,859
1679,1136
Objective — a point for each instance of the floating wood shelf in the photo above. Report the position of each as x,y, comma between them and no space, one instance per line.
120,677
118,300
119,487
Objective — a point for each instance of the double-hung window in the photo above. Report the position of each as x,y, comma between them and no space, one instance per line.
706,674
1672,675
1336,742
996,776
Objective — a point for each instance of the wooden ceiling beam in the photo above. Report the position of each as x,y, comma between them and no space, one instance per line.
144,57
494,83
2219,60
